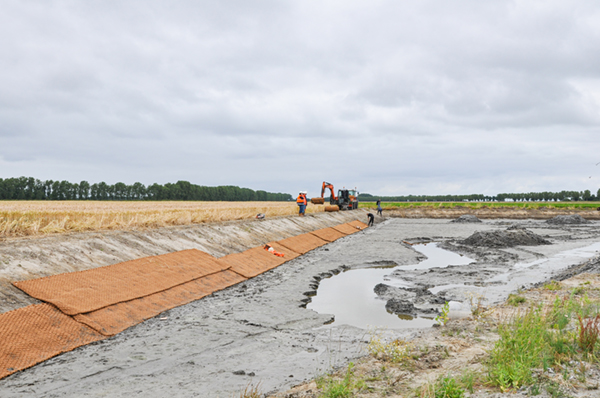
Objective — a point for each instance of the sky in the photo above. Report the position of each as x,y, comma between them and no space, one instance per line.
392,97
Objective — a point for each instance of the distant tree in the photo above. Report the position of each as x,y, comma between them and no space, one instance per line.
84,190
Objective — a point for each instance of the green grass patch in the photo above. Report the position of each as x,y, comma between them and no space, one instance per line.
557,336
480,205
515,300
332,387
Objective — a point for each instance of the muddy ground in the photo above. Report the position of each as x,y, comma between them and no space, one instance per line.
260,331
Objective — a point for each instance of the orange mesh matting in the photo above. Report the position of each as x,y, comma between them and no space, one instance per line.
38,332
346,228
86,291
116,318
328,234
359,224
252,262
302,243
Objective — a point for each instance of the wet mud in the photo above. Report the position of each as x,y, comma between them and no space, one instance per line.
264,331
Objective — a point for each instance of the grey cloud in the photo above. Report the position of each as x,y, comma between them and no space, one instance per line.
420,96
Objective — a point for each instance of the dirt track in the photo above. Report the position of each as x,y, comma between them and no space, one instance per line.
258,331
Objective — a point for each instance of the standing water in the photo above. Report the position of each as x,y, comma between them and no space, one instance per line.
351,298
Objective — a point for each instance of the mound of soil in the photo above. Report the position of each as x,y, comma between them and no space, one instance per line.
567,219
467,218
508,238
400,307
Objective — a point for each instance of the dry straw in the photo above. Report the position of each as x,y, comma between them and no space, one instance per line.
33,218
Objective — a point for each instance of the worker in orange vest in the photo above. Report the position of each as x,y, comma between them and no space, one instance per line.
301,201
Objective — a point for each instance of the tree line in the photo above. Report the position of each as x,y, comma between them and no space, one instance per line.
29,188
561,196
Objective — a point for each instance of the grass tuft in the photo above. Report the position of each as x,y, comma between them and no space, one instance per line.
515,300
589,328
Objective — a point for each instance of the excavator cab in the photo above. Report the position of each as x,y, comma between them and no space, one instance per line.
347,199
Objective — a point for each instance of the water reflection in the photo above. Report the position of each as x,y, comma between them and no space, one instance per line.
350,296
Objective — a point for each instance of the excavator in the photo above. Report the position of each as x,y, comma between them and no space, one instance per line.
346,199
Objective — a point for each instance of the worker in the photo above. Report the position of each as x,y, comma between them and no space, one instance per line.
379,209
301,202
371,217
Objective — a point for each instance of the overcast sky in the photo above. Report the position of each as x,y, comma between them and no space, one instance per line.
393,97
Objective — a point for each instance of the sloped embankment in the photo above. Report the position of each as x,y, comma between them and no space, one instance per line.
23,259
104,301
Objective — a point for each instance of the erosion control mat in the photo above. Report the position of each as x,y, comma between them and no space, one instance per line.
358,224
328,234
107,300
302,243
347,228
116,318
86,291
38,332
253,262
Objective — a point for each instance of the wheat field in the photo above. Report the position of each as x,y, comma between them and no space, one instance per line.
34,218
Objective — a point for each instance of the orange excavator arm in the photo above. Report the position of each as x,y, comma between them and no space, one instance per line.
330,186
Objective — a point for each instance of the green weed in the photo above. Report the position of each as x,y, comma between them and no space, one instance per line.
344,388
395,351
515,300
447,387
442,318
522,347
443,387
552,285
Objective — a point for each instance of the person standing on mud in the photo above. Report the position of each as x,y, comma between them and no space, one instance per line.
301,202
371,218
379,209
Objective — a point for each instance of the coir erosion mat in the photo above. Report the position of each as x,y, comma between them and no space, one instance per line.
118,317
347,228
328,234
358,224
302,243
108,300
86,291
38,332
252,262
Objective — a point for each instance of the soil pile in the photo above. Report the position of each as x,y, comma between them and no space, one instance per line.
567,219
509,238
467,218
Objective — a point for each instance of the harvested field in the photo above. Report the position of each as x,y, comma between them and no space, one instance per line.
34,218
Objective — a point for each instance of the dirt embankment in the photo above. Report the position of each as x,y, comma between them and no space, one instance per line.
28,258
514,213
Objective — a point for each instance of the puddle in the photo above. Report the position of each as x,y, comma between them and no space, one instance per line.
526,274
349,296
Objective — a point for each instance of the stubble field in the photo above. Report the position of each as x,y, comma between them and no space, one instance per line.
35,218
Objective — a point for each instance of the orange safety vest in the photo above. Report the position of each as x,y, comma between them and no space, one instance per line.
301,200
